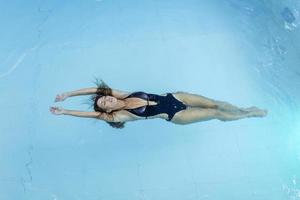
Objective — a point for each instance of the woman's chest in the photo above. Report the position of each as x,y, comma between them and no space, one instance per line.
133,102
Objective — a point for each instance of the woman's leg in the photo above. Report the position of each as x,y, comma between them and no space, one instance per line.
196,100
227,107
192,115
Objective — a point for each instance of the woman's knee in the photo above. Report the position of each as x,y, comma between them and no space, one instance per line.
222,116
181,123
216,114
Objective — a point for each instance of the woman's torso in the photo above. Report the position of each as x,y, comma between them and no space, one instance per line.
141,105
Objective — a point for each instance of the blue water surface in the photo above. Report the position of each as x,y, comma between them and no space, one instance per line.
246,52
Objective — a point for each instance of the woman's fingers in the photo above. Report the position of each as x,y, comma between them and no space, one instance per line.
53,109
57,98
56,110
60,97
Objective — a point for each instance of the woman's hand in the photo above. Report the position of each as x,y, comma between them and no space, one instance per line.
57,110
61,97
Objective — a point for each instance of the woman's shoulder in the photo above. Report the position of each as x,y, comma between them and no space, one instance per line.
138,94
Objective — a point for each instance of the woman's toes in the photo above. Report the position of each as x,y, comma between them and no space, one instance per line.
265,112
258,113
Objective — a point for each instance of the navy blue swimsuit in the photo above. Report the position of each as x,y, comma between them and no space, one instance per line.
165,104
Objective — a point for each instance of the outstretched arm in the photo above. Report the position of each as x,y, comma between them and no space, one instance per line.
98,115
86,91
120,94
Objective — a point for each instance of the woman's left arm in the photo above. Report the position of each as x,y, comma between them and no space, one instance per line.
97,115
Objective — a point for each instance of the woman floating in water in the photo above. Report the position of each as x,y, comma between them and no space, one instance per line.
117,107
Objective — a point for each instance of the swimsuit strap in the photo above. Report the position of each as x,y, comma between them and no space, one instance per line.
147,104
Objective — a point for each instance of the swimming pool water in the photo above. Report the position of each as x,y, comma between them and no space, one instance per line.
245,52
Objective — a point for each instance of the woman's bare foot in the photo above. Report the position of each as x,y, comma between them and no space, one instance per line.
256,112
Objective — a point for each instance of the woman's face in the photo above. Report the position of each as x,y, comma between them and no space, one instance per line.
107,103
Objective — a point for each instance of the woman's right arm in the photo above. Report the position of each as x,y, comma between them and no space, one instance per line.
86,91
120,94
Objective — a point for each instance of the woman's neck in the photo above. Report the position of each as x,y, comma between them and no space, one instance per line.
121,104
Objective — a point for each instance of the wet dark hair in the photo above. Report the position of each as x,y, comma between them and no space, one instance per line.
103,90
